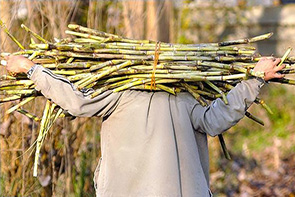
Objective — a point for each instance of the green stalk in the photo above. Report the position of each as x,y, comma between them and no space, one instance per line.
166,88
223,146
254,118
3,26
24,83
165,66
70,60
43,123
260,37
78,34
67,72
86,40
264,105
6,77
285,56
218,90
190,77
130,70
10,98
246,40
25,52
151,47
15,92
17,106
284,80
197,96
146,87
111,86
90,31
107,72
105,64
35,54
78,76
129,85
209,94
31,116
75,65
34,34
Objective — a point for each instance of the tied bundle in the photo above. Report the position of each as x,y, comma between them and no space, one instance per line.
96,62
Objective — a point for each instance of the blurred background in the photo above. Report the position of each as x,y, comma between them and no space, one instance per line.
263,158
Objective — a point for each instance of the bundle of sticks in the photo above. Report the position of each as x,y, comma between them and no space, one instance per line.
100,61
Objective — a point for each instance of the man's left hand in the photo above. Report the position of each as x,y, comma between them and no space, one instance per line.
268,65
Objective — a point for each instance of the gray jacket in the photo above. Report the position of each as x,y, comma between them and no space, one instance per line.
153,144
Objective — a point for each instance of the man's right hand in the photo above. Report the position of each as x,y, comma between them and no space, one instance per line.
18,64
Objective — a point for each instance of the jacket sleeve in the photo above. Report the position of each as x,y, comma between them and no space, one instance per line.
64,94
219,117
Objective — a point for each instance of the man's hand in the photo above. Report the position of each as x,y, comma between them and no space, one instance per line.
268,65
18,64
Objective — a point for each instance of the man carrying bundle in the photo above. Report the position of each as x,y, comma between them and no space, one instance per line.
153,143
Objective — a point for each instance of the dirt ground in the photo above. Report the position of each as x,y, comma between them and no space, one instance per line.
249,177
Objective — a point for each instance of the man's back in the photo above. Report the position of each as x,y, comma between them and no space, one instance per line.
149,148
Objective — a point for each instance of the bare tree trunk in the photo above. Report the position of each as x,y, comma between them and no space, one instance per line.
159,15
94,14
133,12
164,25
151,24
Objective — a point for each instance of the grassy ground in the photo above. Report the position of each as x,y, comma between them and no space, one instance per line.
263,157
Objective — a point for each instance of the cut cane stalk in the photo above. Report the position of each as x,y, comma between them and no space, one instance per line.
264,105
254,118
3,26
34,34
285,56
23,102
43,123
31,116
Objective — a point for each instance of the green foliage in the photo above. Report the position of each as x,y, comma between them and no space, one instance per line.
184,40
2,185
279,125
256,149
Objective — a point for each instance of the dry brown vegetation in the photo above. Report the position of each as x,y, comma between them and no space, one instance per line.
71,150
